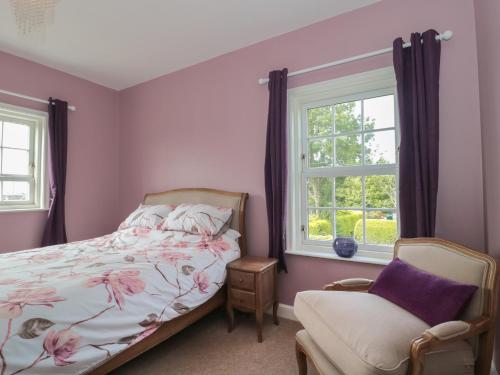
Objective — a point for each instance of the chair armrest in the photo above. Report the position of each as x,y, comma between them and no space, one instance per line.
444,334
449,330
350,285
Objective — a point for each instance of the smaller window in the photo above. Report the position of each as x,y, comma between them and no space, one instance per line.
22,158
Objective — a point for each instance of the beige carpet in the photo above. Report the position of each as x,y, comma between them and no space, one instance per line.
207,348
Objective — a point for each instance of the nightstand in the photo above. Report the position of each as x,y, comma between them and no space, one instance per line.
252,287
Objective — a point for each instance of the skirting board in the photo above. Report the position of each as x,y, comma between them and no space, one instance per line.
284,311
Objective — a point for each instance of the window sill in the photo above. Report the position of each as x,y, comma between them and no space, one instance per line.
22,210
333,256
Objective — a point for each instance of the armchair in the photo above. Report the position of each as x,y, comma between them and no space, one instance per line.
360,333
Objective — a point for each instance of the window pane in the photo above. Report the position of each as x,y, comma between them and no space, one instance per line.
348,150
379,112
15,191
348,117
381,227
349,223
320,153
320,121
319,192
320,225
15,162
380,147
380,191
348,192
16,135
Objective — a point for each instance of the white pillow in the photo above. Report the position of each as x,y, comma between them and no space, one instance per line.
147,216
198,219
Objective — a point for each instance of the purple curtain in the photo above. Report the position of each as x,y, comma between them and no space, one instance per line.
417,74
275,168
55,229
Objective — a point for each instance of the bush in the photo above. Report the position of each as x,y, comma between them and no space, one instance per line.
378,231
346,222
350,224
319,229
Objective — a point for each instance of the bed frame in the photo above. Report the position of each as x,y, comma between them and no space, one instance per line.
236,201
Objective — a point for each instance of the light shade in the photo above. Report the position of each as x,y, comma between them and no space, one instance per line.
33,16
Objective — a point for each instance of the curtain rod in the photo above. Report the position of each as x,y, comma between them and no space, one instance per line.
10,93
443,36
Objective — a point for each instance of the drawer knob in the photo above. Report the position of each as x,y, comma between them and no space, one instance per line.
241,280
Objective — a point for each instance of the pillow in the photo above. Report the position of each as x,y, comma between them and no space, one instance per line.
429,297
147,216
198,219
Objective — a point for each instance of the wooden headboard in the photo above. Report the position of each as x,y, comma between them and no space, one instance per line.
214,197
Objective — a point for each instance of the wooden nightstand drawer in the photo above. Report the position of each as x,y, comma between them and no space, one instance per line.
240,298
243,280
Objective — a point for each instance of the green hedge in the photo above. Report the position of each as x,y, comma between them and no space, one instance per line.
346,222
378,231
350,224
319,229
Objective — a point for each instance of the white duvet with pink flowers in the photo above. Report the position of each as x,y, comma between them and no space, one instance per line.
65,309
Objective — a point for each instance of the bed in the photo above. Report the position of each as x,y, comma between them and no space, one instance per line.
88,307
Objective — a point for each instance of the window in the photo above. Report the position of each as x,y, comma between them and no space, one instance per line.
343,175
22,158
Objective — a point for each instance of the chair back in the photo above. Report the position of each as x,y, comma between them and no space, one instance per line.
458,263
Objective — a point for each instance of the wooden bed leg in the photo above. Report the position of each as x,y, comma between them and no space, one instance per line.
301,359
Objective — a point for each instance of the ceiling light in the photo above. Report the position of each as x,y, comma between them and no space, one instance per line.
33,16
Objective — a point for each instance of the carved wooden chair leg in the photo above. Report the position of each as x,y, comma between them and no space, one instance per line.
301,359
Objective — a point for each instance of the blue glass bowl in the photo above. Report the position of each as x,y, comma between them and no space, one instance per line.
345,247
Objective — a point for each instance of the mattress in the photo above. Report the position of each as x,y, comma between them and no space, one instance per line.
64,309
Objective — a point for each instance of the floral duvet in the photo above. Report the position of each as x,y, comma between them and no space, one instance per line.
65,309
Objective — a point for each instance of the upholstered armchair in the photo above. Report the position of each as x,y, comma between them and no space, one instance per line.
349,332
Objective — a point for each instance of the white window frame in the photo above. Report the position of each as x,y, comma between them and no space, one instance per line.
37,121
377,82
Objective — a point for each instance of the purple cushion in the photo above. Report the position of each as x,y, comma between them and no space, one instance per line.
429,297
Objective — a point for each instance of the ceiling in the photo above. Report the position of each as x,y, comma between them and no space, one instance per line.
120,43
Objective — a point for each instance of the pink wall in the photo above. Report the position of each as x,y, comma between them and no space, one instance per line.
92,179
205,125
488,30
